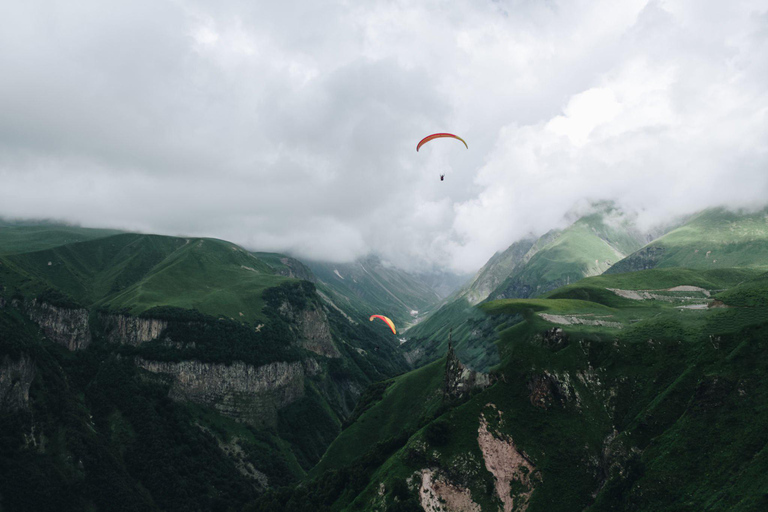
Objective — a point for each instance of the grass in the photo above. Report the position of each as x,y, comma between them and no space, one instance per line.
406,402
138,272
370,286
714,238
666,413
16,239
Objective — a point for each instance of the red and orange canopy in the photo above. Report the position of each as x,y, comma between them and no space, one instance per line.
386,320
438,136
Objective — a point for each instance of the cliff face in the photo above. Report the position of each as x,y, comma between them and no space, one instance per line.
244,392
132,330
313,329
66,326
15,379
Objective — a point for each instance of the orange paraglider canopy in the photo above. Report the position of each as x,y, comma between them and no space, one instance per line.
438,136
386,320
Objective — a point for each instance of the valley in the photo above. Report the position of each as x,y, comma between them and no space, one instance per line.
192,374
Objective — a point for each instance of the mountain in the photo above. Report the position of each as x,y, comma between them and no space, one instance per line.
710,239
371,286
639,391
498,268
527,268
443,282
171,373
18,237
587,247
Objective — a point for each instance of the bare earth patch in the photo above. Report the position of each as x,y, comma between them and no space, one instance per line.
439,496
577,320
508,465
655,295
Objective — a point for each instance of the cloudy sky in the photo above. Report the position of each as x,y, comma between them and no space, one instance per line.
292,126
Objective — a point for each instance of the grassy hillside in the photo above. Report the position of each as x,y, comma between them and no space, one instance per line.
387,410
586,248
138,272
369,286
107,429
526,269
620,392
498,268
715,238
18,238
469,328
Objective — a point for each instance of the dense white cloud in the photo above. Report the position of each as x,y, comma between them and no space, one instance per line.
291,126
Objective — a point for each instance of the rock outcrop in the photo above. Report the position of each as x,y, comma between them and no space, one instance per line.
15,379
313,329
132,330
66,326
547,390
460,380
514,473
252,394
438,495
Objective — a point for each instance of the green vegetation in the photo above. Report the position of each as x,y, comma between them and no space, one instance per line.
138,272
19,237
472,332
526,269
99,435
406,403
644,390
662,411
586,248
101,429
371,287
714,238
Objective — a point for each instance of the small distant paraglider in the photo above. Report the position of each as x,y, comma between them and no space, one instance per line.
439,136
386,320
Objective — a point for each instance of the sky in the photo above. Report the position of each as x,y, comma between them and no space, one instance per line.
292,126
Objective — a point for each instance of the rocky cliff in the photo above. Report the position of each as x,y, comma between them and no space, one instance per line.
313,330
247,393
460,380
66,326
16,377
132,330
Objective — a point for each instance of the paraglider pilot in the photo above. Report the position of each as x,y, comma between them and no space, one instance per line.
442,177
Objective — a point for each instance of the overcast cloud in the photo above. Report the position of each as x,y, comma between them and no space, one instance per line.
292,126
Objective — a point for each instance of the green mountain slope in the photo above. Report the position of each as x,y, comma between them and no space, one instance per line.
586,248
135,356
370,286
498,268
714,238
138,272
388,409
621,392
527,268
22,237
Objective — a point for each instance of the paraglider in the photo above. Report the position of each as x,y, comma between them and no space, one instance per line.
439,136
386,320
